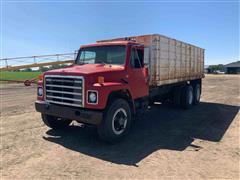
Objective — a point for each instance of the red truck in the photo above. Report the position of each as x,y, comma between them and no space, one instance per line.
114,80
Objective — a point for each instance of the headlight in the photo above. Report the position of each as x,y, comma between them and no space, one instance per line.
92,97
40,91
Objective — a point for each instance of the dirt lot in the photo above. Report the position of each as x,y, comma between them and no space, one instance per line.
199,143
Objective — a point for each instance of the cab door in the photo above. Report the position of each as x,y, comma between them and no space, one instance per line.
137,75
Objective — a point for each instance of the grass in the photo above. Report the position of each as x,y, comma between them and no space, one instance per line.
7,75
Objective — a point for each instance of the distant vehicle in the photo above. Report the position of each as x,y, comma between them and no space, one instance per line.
218,72
112,81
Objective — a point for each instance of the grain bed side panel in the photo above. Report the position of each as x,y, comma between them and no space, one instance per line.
170,60
176,61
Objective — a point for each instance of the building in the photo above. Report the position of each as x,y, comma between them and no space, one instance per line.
232,68
206,69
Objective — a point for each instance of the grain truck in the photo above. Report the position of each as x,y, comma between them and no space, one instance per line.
113,81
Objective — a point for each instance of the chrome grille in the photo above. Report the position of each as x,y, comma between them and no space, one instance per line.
66,90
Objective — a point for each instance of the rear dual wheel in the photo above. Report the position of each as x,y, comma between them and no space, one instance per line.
196,94
186,96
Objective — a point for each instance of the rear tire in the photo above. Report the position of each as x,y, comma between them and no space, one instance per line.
116,122
187,97
55,122
196,94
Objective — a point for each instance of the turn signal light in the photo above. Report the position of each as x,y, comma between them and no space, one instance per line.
100,79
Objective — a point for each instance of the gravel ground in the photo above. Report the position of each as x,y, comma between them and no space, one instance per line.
200,143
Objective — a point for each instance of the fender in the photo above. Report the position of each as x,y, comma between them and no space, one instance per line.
104,90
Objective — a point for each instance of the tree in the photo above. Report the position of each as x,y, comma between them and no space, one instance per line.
218,67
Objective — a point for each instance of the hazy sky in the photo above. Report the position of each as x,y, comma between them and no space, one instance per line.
45,27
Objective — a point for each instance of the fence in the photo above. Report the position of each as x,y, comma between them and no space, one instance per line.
7,64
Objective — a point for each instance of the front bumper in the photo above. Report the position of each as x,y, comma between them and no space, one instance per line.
74,113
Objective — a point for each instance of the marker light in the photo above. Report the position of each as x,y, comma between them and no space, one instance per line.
100,79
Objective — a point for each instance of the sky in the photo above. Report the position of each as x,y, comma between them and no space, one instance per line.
46,27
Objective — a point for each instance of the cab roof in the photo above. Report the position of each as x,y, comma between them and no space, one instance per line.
110,43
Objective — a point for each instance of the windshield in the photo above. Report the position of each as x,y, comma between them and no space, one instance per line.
102,55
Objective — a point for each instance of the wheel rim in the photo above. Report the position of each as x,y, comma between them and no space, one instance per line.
198,93
190,99
119,121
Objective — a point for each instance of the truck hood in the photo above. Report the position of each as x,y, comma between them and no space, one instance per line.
86,69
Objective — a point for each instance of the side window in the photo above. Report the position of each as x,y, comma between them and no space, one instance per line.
132,62
140,56
136,58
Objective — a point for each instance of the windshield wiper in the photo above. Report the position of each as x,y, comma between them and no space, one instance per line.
81,63
101,62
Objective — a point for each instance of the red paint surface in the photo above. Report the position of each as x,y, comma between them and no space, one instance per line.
115,77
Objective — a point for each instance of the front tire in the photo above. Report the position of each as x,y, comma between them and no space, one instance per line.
116,122
55,122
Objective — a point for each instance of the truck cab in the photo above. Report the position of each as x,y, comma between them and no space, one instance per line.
106,86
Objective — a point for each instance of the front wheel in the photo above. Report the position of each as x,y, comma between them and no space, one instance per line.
116,122
55,122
